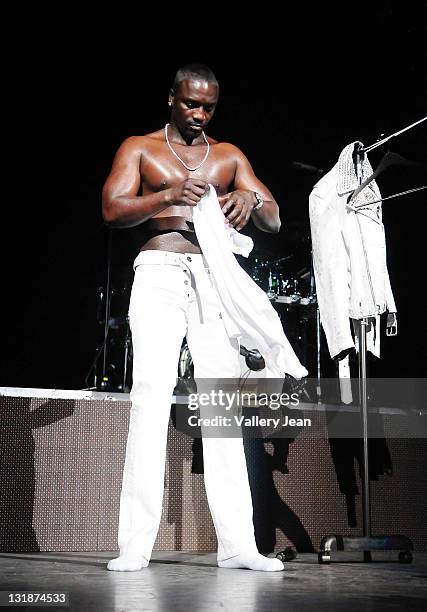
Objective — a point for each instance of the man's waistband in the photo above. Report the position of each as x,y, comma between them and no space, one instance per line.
169,258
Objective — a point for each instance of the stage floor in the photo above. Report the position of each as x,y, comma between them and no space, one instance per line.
177,581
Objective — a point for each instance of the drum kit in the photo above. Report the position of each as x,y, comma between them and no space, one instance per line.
291,290
281,288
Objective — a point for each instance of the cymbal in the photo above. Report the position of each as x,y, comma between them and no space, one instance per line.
303,273
281,259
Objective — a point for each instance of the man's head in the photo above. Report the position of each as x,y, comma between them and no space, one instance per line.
193,98
194,72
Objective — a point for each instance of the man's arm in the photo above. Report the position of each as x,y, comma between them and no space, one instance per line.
239,205
121,207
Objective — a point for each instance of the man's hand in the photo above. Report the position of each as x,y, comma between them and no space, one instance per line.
237,207
188,193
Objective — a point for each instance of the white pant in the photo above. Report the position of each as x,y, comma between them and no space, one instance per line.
172,296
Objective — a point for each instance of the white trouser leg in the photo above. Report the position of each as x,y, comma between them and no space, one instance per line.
157,315
166,299
226,478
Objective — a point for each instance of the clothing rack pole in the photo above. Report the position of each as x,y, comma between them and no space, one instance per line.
363,395
363,398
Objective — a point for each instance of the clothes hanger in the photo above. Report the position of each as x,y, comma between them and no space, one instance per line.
387,138
389,159
394,195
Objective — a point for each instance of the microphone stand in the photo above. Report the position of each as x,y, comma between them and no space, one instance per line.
128,343
103,348
104,378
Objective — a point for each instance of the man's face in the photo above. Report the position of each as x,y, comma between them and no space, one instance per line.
193,105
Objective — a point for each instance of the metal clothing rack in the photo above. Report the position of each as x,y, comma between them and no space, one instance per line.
367,542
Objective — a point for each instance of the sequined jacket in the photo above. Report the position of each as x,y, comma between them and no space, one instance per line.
349,254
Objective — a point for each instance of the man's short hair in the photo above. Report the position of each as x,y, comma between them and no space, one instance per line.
194,71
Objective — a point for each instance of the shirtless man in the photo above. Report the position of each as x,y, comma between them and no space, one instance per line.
156,180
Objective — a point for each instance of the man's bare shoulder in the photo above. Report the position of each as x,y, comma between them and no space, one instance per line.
141,143
227,149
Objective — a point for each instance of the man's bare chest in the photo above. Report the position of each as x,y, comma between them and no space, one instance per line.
164,170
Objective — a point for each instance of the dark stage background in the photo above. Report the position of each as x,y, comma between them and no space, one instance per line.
298,94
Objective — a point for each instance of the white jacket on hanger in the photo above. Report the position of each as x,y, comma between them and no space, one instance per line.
349,254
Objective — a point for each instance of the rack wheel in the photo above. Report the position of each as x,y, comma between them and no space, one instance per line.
324,558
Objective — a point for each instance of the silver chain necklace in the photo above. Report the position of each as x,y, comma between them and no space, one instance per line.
178,157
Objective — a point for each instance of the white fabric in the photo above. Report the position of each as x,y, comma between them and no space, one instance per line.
240,244
173,296
349,254
345,380
248,314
